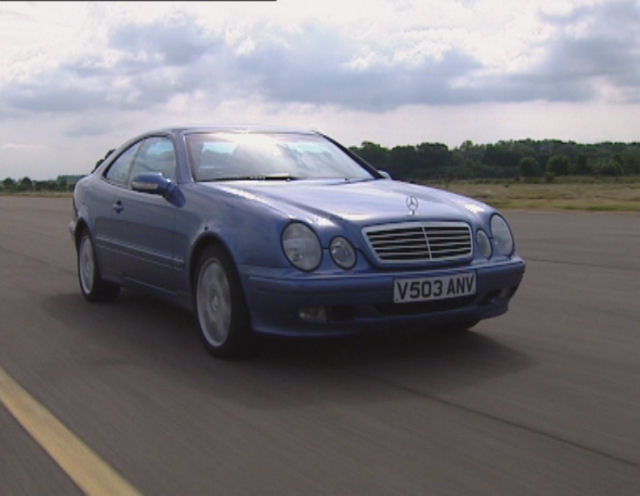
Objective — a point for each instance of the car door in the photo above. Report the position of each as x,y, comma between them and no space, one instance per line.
106,209
144,223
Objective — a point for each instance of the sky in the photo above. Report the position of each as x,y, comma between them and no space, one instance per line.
80,78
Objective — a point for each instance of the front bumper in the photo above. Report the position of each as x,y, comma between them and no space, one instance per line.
354,303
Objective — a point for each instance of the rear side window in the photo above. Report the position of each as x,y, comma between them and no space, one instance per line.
156,155
118,172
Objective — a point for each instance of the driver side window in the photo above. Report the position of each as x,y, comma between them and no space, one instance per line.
156,155
118,172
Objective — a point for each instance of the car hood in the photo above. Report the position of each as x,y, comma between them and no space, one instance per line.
361,203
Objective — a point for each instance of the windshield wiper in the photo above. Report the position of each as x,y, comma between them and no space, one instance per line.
352,180
266,177
280,176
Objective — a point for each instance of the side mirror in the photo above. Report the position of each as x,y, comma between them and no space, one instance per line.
384,174
156,184
151,182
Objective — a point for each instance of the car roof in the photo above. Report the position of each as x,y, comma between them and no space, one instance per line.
230,128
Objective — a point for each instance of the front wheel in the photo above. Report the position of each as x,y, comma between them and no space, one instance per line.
93,287
220,307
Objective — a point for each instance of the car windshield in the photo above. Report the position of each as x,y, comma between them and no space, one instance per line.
228,156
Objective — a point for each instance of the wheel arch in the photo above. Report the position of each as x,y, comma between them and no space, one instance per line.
80,228
202,244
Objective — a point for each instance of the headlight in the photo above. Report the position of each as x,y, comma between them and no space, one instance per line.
301,246
484,245
502,238
342,252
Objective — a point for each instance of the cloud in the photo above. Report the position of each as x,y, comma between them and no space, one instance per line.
320,65
177,42
88,126
596,57
597,48
14,15
592,52
49,96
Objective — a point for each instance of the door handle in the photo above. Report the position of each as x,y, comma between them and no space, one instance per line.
118,207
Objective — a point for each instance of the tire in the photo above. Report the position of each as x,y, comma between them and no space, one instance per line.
220,307
93,287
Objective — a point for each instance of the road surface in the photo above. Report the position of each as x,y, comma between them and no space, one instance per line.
543,400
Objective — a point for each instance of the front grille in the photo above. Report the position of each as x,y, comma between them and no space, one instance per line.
408,242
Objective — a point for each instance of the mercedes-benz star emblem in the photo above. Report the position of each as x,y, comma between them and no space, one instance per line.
412,204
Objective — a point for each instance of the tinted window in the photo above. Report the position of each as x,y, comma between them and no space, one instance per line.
156,155
118,172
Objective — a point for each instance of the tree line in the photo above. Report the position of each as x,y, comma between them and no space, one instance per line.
64,183
523,159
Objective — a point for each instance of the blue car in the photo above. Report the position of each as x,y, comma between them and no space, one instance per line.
286,232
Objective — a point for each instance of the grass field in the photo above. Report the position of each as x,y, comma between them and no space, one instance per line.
612,195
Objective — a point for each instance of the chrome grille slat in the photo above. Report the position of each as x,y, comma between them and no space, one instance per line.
399,246
449,250
394,242
449,241
435,244
420,241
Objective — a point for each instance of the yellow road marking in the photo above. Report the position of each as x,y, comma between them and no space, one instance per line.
90,473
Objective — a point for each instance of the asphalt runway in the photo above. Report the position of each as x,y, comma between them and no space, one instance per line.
543,400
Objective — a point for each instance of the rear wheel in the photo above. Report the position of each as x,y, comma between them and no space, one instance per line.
93,287
220,307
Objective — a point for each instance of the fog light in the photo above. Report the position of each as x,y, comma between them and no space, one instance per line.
313,314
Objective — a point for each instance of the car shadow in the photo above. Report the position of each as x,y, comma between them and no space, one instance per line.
145,336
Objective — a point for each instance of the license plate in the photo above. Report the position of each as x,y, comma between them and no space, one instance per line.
434,288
